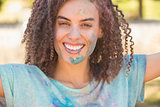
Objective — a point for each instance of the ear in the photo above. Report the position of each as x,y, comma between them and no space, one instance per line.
100,33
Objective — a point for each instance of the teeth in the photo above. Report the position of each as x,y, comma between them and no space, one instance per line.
73,47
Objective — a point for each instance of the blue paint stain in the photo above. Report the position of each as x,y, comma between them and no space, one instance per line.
56,102
93,105
77,60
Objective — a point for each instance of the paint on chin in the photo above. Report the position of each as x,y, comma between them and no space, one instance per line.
77,60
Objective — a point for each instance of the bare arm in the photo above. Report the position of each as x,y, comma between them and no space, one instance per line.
153,67
1,88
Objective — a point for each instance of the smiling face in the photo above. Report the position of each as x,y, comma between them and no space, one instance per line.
77,30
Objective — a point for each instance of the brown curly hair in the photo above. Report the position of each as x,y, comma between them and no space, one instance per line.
107,58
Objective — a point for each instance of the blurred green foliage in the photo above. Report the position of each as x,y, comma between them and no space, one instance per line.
154,87
151,9
12,11
3,1
152,94
129,8
29,2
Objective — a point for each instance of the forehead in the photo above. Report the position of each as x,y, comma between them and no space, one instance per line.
78,9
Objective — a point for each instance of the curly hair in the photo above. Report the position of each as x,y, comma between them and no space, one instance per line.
107,58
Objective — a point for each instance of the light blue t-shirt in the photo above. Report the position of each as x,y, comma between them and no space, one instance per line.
27,86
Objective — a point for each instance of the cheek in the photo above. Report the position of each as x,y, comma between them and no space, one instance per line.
57,42
57,49
61,32
92,44
59,36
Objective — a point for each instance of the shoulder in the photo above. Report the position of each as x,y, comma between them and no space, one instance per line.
138,60
13,67
139,57
10,73
136,78
136,57
131,82
12,70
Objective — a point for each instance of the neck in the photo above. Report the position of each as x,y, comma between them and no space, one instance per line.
73,73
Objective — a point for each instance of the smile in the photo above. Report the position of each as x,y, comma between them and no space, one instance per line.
73,48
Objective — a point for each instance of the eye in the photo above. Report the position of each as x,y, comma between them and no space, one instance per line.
63,23
86,25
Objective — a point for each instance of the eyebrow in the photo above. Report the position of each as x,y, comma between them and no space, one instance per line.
88,19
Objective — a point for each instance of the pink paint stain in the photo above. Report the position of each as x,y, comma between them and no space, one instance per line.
114,104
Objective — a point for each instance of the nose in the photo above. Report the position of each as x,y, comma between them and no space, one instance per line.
74,34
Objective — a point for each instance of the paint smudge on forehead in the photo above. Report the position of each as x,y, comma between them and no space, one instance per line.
77,60
82,11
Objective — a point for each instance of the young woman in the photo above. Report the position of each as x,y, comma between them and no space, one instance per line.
75,58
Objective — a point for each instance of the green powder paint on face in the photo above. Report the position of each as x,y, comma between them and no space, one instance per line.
84,11
88,48
78,53
61,56
77,60
92,45
60,53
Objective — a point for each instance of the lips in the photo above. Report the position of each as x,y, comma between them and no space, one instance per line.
73,48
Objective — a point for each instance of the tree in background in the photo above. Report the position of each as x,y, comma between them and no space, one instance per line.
1,2
141,9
